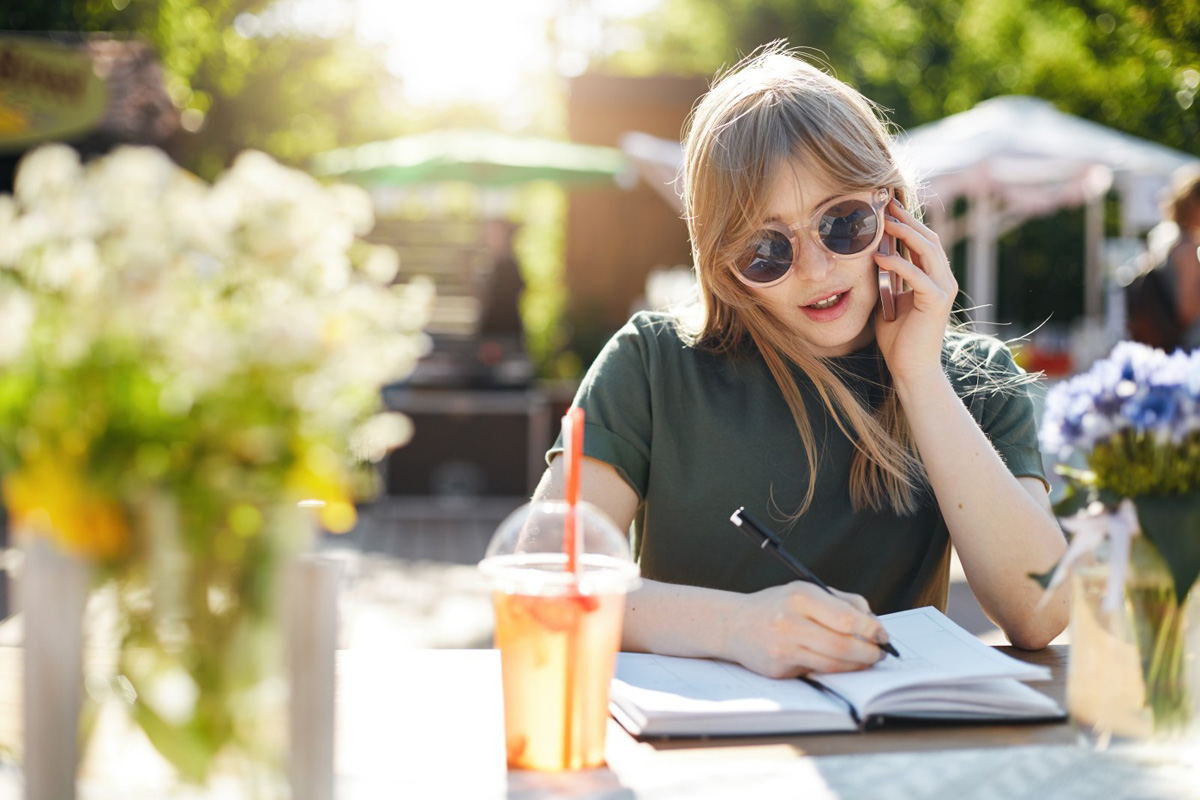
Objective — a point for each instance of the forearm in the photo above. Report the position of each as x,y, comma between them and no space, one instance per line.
1000,531
676,620
782,631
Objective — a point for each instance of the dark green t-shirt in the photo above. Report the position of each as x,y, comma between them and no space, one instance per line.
697,435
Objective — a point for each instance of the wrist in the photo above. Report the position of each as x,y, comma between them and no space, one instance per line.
921,384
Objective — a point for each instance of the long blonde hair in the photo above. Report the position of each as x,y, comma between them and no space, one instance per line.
772,110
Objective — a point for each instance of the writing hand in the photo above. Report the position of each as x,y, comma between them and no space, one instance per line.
797,628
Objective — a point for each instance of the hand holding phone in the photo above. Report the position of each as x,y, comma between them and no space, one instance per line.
889,282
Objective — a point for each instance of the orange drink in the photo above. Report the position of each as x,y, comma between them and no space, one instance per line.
557,654
558,629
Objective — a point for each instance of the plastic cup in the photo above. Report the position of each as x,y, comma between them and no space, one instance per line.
558,633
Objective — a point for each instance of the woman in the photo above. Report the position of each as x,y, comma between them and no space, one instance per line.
872,444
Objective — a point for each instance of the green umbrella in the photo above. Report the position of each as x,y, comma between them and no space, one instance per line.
484,158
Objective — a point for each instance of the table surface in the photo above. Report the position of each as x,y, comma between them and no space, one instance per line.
429,723
450,744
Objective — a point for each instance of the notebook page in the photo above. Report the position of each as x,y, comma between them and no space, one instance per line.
670,685
933,649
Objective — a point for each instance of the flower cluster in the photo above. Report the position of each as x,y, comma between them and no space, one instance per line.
225,341
1134,417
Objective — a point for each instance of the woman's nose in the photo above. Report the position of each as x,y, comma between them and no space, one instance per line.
813,261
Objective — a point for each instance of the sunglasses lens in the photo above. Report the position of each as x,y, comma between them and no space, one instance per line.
848,227
768,258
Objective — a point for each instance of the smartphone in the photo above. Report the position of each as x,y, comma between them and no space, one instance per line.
889,282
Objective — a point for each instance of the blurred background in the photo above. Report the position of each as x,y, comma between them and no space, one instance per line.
522,155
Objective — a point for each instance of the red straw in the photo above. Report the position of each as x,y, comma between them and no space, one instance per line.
573,446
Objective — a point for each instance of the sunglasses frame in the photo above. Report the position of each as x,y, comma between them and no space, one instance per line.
878,202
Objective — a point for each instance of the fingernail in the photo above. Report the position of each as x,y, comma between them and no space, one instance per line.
881,637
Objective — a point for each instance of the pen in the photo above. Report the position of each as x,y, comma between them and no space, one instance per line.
766,539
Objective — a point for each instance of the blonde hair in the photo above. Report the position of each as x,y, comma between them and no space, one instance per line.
770,111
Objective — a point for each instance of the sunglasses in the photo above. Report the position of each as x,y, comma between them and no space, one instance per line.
845,226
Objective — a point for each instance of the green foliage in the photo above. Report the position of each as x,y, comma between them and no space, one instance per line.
1132,65
539,247
291,96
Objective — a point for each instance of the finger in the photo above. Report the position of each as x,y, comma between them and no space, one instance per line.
809,660
833,613
921,282
856,600
927,254
923,245
838,648
901,212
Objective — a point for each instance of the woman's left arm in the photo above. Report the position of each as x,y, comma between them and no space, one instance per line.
1001,526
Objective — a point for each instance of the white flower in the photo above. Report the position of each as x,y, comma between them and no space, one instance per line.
381,265
16,319
49,171
11,248
354,204
380,434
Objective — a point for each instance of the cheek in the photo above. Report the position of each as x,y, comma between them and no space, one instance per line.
776,298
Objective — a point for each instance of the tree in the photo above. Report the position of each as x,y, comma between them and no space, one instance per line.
237,85
1134,65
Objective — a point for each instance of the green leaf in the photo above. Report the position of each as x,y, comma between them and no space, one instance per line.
1076,477
187,751
1075,498
1172,524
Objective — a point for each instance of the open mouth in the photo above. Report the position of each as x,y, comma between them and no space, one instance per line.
828,302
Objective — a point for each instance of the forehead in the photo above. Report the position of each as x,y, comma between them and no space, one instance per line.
795,190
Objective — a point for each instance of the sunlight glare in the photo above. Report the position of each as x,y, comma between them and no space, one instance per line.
460,50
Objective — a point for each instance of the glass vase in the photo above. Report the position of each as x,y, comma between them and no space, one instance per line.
187,695
1134,673
185,671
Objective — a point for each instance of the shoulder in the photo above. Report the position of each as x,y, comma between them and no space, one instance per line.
978,363
658,326
653,334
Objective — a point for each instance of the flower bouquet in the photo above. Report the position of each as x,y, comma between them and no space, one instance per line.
180,365
1129,432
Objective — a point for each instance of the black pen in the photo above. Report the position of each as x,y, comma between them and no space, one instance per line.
766,539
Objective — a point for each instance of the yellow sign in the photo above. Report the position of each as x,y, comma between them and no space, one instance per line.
48,91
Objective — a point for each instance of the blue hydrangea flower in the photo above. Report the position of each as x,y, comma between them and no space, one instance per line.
1135,389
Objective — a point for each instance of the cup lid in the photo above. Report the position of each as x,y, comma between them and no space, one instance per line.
527,552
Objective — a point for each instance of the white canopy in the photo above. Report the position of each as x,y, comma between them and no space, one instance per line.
1015,158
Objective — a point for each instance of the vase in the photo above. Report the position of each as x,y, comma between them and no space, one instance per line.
1133,677
185,678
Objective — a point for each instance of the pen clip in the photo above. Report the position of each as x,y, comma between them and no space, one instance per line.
749,530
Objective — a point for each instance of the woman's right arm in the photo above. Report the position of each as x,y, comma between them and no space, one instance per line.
782,631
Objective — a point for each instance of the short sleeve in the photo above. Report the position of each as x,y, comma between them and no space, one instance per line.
997,393
615,398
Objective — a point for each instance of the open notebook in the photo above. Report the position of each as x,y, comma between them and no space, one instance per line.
943,673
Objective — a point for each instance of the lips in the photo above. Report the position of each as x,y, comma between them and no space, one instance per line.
827,302
828,307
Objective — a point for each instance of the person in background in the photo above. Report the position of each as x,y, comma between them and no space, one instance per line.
1182,262
872,445
500,355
